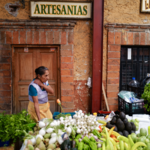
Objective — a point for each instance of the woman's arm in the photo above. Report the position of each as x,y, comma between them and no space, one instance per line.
47,88
36,106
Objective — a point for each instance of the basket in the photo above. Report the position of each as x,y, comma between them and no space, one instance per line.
3,144
131,108
57,113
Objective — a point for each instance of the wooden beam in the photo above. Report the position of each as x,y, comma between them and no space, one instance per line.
98,11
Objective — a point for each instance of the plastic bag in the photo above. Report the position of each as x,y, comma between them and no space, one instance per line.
127,96
23,147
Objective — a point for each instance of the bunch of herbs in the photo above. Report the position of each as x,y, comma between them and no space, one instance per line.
146,97
12,125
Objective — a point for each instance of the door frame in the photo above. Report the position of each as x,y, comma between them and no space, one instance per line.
13,70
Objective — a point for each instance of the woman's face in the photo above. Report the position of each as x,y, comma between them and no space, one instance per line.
44,77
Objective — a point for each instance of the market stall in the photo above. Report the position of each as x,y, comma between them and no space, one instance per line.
78,131
88,132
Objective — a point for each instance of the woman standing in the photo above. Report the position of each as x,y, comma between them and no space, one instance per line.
39,88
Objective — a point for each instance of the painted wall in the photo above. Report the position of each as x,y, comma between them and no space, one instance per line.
82,56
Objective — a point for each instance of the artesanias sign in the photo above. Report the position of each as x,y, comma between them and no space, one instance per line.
145,6
61,9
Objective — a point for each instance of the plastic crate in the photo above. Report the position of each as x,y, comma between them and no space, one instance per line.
3,144
57,113
131,108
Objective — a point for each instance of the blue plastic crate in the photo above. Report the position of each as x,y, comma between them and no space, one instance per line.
57,113
3,144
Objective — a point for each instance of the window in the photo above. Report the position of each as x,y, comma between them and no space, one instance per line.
138,66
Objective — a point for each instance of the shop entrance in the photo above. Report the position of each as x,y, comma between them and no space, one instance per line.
25,61
134,62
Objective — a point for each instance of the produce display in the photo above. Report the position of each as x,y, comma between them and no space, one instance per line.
80,132
122,125
84,132
74,133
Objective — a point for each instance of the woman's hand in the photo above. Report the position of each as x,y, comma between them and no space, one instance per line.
38,82
47,88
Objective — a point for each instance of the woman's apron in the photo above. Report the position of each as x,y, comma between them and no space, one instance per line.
44,106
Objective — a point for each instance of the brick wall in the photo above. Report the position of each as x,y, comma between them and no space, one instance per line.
80,37
30,32
121,34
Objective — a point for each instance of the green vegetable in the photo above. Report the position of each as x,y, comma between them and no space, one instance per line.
86,140
46,136
123,138
86,147
77,142
140,148
148,137
138,144
30,147
143,132
95,132
147,141
103,146
118,147
12,125
133,136
140,139
93,145
138,135
62,115
148,146
80,146
92,139
102,139
121,143
146,96
130,140
99,148
126,146
78,136
73,132
109,145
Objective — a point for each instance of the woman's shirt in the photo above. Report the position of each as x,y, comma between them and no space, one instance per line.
35,90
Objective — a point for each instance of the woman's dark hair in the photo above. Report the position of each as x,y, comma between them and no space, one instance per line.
40,70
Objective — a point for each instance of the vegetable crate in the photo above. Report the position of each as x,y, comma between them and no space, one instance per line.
57,113
131,108
3,144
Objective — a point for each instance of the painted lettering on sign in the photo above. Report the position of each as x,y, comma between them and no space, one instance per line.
61,9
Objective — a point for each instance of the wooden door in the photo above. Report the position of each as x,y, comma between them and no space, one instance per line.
24,64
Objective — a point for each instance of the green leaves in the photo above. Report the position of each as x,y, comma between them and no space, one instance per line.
146,96
12,126
62,115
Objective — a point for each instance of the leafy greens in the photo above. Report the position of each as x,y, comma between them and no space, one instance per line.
12,125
